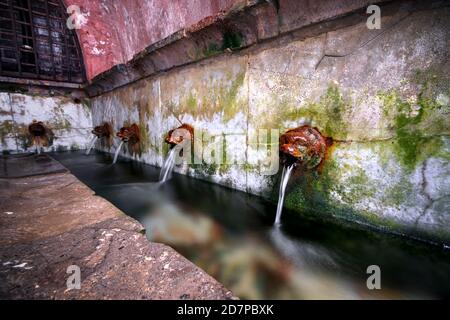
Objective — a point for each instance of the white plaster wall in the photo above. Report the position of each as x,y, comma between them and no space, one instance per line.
70,122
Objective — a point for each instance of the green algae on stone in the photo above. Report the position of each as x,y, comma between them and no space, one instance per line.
145,137
143,110
211,50
398,193
334,103
165,149
229,99
23,138
207,170
412,142
231,40
313,200
313,195
6,128
59,123
219,99
312,189
357,187
191,103
328,114
224,166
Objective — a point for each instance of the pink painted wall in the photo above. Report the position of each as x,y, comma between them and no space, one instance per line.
113,31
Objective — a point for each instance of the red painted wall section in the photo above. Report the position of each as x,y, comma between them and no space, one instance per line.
113,31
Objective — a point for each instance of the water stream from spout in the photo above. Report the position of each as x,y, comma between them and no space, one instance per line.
116,155
167,168
91,145
285,175
38,149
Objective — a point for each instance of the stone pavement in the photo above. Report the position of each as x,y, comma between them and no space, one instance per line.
51,221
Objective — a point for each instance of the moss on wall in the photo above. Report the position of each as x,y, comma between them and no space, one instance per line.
219,98
230,40
211,50
419,121
329,113
145,137
6,129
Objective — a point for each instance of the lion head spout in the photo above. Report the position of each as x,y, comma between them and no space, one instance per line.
303,146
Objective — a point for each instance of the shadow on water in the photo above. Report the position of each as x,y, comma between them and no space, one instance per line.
230,234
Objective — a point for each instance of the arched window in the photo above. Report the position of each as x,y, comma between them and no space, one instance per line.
35,42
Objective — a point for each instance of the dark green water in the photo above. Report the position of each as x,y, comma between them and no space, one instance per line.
230,235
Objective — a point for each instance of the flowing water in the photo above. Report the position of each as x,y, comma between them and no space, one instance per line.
285,175
91,145
230,235
167,168
116,155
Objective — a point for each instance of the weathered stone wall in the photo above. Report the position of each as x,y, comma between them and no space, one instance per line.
104,40
70,122
382,95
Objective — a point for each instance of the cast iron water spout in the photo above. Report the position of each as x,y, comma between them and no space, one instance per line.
185,131
130,135
41,135
175,137
103,131
303,148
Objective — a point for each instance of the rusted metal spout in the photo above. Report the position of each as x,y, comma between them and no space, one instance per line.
41,135
37,128
180,134
103,131
132,136
130,133
303,147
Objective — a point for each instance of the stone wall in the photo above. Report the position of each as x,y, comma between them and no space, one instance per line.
70,121
104,42
382,95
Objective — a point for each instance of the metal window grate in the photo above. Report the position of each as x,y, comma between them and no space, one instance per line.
35,42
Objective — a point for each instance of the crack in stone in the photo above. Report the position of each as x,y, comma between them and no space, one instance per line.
386,139
430,200
392,26
425,193
363,141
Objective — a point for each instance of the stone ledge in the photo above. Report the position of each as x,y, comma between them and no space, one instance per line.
52,221
244,26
